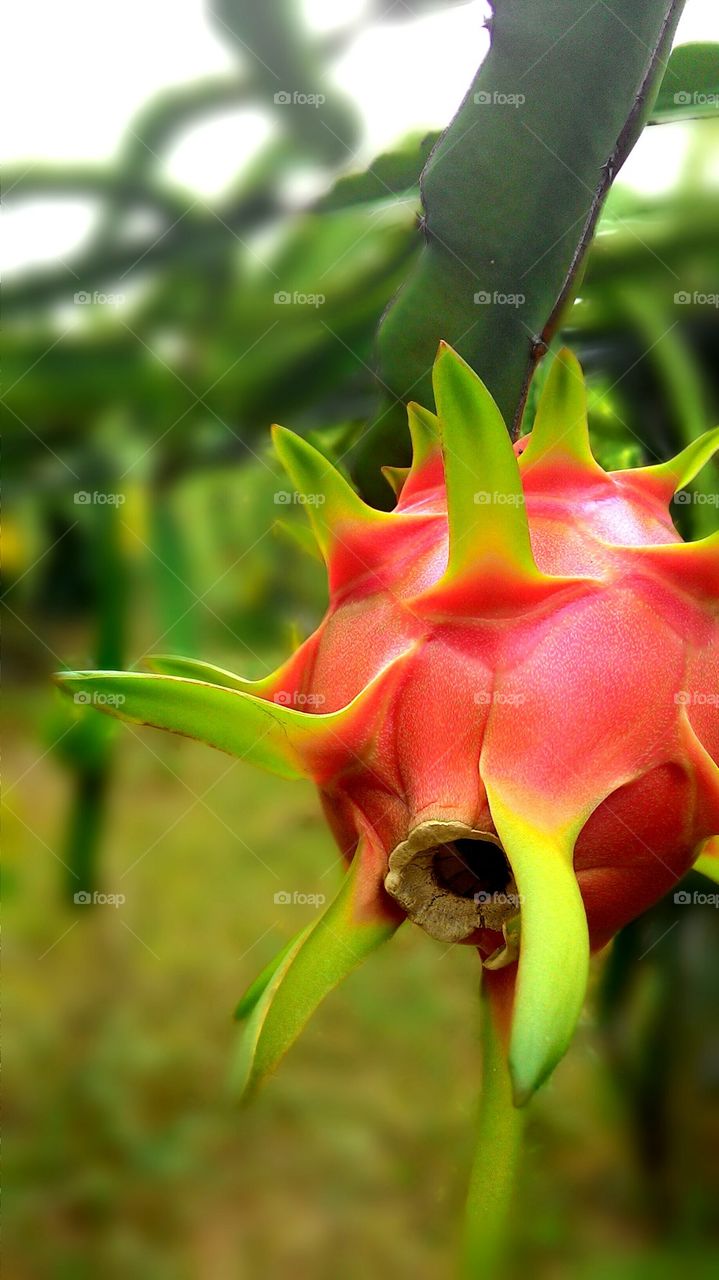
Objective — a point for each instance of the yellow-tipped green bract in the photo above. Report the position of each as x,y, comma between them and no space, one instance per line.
329,499
560,434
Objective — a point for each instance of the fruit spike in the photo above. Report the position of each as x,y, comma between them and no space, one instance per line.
424,434
488,526
565,451
554,947
329,499
520,687
353,537
284,997
491,562
233,716
664,479
413,485
164,664
396,478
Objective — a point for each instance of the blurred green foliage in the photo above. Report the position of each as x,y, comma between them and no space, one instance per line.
127,1155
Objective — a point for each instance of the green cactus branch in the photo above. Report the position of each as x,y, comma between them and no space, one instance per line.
96,181
512,193
498,1141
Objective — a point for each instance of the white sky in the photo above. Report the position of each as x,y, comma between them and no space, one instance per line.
76,72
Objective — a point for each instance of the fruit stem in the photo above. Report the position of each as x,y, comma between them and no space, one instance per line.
499,1136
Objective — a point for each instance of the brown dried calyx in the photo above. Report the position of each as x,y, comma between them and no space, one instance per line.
453,880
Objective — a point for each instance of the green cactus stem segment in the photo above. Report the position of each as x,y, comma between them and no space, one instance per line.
487,1223
452,880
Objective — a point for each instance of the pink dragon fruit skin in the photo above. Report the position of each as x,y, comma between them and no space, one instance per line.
512,702
594,705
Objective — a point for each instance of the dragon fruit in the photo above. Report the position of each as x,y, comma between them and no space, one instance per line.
510,708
